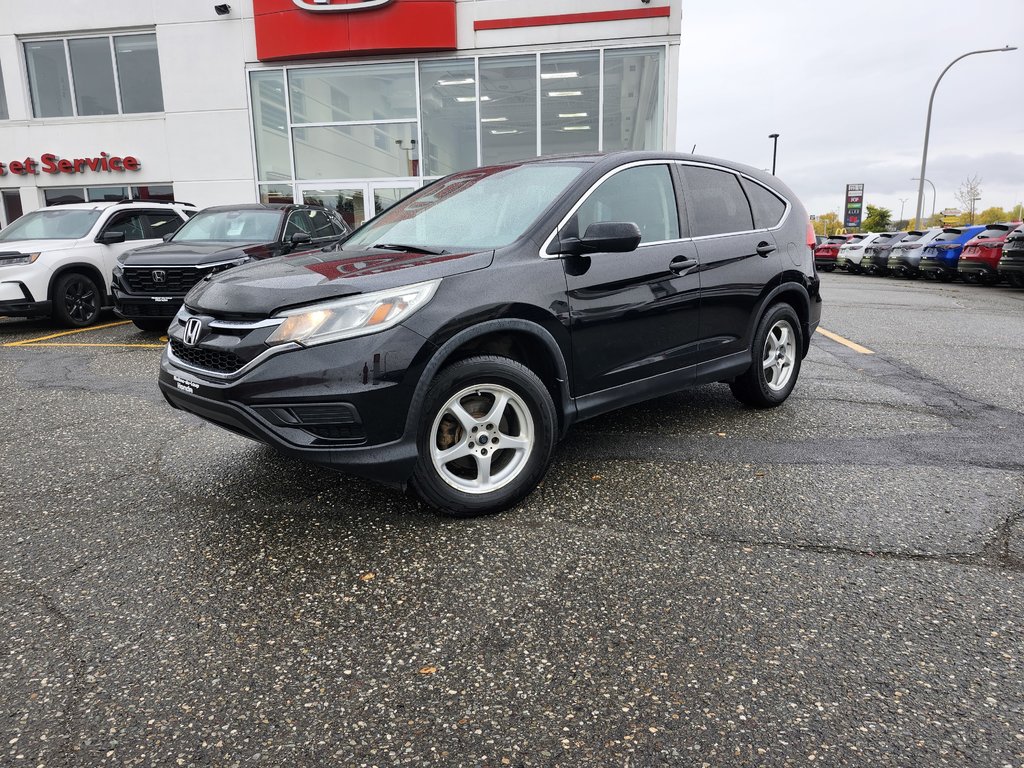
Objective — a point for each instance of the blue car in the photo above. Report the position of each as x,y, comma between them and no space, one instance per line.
940,256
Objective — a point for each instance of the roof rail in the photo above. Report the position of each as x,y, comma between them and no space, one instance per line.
124,200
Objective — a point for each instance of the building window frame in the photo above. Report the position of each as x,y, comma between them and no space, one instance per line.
476,57
65,40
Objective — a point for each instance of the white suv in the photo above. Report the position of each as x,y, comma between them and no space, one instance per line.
58,261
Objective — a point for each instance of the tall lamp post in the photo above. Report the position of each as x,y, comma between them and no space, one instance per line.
928,122
903,201
775,145
933,196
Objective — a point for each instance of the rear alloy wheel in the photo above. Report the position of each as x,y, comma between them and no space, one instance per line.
487,433
778,344
76,300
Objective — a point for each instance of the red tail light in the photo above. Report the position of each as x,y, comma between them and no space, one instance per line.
811,239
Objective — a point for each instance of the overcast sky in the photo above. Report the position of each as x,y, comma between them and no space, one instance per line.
846,86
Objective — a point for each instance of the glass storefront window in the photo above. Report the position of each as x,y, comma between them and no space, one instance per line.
364,92
64,195
633,107
508,108
570,103
93,74
106,194
276,193
270,119
356,151
138,70
448,107
153,192
48,78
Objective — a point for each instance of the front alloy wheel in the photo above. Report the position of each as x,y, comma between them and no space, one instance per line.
487,433
76,301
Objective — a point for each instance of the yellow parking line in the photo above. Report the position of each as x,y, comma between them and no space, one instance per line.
66,333
86,344
845,342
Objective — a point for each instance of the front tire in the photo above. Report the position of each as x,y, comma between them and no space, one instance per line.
77,300
778,347
487,433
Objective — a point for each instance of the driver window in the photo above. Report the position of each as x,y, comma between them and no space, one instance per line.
131,225
298,222
643,195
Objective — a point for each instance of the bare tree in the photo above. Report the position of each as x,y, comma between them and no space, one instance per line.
969,194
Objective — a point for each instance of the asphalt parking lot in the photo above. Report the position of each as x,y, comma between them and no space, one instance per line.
836,582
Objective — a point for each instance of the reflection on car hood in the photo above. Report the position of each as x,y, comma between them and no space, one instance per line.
265,287
36,246
174,254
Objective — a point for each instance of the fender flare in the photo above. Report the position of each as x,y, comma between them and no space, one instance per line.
788,287
440,356
82,267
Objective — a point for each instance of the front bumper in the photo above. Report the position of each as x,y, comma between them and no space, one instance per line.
133,306
22,308
344,405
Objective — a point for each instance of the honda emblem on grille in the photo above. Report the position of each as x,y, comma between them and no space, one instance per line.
193,328
159,276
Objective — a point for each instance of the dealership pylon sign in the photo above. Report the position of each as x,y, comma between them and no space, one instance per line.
854,208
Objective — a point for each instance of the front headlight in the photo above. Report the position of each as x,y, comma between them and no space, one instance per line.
352,316
10,260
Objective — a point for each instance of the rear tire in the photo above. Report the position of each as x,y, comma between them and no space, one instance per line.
487,432
773,371
77,300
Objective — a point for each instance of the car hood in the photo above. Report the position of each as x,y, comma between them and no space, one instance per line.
265,287
37,246
174,254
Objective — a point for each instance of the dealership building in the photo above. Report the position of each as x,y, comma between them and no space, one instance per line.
350,103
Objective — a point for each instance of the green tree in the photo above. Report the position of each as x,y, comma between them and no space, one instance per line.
827,224
991,215
877,220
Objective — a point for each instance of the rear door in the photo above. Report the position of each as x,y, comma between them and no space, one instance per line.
739,261
634,315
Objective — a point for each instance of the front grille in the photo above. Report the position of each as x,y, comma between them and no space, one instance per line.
208,359
176,279
149,310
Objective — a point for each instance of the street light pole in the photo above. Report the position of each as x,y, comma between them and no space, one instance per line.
933,195
775,145
928,121
903,202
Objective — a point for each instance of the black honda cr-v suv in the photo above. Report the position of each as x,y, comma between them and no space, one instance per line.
449,342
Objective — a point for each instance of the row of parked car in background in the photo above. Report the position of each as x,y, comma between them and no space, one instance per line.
142,257
982,253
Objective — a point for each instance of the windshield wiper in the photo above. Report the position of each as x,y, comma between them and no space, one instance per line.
407,248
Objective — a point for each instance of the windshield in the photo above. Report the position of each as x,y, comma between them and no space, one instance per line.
487,208
51,224
246,226
836,240
948,235
855,239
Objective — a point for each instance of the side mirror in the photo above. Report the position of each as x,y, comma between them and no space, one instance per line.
298,238
110,237
605,237
167,237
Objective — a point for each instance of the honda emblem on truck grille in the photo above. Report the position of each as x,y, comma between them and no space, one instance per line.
159,276
193,328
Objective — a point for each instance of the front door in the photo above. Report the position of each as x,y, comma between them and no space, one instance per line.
355,201
634,316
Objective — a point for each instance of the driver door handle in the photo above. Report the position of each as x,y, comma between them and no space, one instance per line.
682,264
764,248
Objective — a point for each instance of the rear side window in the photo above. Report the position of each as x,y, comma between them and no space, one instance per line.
160,224
767,207
320,223
643,195
717,203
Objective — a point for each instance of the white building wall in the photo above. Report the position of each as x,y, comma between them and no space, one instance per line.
202,141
